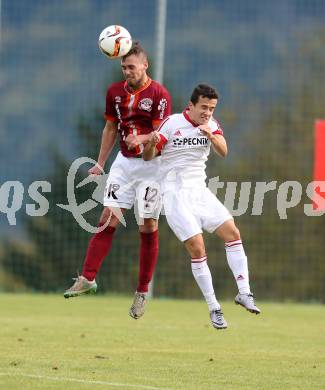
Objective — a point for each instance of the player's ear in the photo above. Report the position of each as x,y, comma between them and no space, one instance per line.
190,105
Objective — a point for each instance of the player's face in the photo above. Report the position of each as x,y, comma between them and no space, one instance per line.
134,69
202,111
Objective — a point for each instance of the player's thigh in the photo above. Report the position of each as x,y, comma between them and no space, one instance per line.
214,214
148,192
180,217
148,201
120,188
111,216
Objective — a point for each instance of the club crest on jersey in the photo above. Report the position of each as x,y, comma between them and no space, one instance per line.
145,104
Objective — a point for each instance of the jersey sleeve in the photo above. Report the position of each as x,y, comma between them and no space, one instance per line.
162,106
216,128
164,132
110,112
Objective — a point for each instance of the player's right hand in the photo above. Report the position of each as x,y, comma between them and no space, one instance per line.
132,141
96,170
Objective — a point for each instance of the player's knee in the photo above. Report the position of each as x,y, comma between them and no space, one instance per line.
150,225
197,253
108,217
195,247
232,234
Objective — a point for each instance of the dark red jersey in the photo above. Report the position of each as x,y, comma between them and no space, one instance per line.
136,112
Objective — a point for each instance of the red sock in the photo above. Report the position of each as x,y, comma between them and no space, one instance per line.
99,247
148,259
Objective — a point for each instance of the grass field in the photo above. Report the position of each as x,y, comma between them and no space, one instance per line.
47,342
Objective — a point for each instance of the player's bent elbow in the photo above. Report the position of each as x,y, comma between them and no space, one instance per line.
224,153
224,150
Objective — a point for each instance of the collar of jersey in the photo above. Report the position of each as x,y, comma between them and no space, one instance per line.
146,85
189,119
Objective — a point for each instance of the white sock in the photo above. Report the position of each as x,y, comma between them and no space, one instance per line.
237,261
202,275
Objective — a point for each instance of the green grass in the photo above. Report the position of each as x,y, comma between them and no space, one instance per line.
47,342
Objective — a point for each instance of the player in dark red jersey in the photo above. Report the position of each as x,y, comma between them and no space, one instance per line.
134,108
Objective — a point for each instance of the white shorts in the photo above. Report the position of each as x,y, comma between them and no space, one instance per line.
134,182
189,210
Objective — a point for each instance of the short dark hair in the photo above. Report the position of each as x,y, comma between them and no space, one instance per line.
203,90
137,50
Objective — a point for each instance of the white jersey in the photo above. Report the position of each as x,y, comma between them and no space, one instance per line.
184,149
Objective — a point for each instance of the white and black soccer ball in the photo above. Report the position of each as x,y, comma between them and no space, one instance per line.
115,41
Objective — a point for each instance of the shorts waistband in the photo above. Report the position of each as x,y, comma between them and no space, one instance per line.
138,156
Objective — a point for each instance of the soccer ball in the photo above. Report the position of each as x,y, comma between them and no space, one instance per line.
115,41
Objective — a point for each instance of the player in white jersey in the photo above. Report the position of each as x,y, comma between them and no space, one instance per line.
184,141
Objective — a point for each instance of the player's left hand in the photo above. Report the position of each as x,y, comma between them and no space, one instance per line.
206,130
132,141
96,170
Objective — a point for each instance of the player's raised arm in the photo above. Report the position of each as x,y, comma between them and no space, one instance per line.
219,145
107,144
216,138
